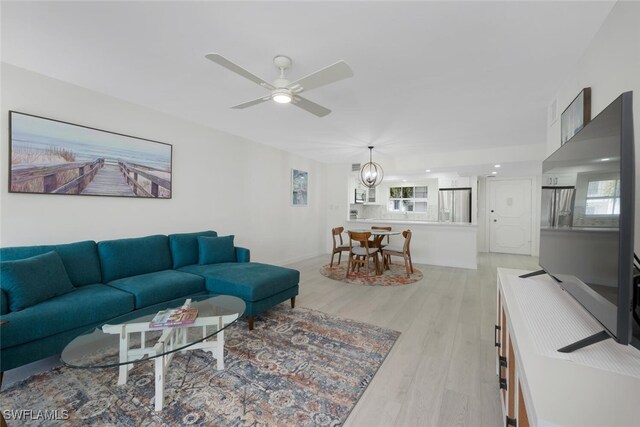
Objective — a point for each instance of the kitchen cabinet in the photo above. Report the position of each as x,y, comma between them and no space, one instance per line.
355,185
558,180
461,181
372,196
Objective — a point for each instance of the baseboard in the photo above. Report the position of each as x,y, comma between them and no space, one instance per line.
301,258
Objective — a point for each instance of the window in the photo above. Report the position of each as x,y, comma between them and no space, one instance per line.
408,199
603,197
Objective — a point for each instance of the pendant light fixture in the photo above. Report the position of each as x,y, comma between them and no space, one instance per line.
371,173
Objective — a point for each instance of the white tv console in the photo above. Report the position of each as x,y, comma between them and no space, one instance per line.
596,386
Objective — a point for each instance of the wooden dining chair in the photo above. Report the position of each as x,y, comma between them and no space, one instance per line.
377,242
360,252
338,244
404,252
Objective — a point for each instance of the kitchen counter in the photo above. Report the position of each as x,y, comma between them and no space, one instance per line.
411,222
433,243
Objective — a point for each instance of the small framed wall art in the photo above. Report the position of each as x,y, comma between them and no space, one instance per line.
49,156
299,187
576,115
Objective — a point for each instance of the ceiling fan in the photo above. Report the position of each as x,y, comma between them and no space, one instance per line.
284,91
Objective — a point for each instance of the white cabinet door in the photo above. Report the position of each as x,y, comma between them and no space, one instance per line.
461,181
559,180
372,196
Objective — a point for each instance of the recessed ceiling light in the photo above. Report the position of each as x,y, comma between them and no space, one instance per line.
427,170
404,180
606,159
496,166
494,173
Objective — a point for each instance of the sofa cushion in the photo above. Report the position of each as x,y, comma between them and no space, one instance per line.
32,280
80,259
160,286
131,257
250,281
184,247
4,302
84,306
214,250
243,254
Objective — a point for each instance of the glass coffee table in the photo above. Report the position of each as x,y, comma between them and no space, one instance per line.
127,339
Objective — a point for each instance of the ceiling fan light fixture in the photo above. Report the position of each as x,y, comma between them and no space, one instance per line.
284,91
281,96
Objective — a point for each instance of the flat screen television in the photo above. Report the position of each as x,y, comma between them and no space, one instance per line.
589,252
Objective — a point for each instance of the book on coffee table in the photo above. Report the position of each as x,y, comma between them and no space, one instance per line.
174,317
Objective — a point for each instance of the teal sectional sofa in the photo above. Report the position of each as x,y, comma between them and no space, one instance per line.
51,294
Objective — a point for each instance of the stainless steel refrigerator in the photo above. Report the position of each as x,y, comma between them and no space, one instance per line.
454,205
557,206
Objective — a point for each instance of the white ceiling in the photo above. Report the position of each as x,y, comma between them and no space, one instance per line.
429,76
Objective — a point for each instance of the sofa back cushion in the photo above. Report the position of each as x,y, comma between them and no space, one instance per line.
4,302
131,257
80,259
184,247
214,250
32,280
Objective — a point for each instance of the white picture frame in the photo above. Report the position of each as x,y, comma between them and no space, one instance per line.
576,115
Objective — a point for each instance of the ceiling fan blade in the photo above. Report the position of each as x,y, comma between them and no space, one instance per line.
309,106
333,73
252,103
221,60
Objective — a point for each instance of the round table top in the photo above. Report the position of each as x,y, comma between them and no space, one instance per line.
376,232
99,349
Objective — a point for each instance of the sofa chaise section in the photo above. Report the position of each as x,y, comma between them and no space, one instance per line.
261,286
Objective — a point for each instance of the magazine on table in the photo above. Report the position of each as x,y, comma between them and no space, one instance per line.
174,317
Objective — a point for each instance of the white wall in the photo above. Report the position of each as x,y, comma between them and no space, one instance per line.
220,181
338,199
483,232
610,66
516,153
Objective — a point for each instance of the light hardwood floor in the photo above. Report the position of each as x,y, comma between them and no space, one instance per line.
441,371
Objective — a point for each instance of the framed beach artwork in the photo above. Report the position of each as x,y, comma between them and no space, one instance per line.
576,116
53,157
299,187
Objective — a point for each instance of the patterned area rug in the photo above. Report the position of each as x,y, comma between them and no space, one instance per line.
396,276
297,367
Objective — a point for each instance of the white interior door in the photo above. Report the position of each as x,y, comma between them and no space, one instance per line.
509,216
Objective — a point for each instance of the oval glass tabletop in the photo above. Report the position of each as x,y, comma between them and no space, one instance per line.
131,335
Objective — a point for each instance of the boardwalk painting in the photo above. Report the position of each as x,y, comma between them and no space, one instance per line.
52,157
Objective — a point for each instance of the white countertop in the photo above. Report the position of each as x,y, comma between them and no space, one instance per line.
412,222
